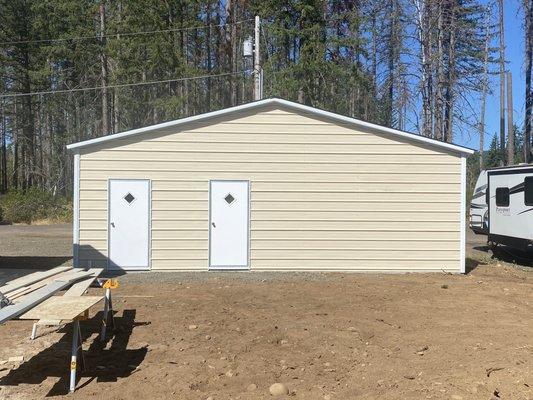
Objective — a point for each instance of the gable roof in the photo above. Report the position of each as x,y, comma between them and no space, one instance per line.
356,123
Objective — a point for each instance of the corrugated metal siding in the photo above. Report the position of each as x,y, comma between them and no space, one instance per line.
323,196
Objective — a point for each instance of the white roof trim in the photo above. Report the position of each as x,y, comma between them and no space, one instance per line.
273,101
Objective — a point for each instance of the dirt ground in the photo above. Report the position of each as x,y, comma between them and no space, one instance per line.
325,336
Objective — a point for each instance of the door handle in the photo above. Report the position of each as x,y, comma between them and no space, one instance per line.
214,226
113,224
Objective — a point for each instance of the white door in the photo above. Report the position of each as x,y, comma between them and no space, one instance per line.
129,224
228,224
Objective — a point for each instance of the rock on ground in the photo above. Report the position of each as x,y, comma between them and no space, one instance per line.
278,389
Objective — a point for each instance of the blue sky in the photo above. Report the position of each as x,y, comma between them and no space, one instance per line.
514,39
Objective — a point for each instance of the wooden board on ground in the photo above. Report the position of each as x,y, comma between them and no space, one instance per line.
16,292
69,276
31,278
80,287
62,307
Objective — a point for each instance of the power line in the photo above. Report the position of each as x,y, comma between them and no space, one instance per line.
140,33
118,85
118,35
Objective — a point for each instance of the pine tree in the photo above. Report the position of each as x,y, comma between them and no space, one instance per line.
409,64
494,154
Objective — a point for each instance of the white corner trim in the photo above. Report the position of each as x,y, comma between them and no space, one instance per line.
462,253
76,211
275,101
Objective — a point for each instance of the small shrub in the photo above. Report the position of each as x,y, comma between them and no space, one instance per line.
34,204
62,212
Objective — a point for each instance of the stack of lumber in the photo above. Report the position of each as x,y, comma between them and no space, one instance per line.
28,291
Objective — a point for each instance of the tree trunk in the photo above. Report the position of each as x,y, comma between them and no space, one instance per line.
510,127
40,177
373,57
450,81
439,126
116,67
391,62
103,64
184,43
529,65
16,138
424,37
28,144
208,55
484,90
4,149
502,81
46,151
231,44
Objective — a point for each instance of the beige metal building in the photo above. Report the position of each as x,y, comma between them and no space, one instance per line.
269,185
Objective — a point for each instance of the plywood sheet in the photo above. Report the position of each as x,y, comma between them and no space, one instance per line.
62,307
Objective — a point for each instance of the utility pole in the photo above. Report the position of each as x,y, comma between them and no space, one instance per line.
510,127
258,92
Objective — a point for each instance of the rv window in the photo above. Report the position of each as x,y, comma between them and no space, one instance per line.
528,191
502,197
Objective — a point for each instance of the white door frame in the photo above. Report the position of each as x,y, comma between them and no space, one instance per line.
149,219
248,241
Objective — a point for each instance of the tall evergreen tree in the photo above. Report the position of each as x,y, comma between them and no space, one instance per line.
118,65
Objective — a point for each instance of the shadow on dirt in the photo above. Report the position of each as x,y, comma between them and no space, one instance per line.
471,264
17,267
105,360
32,262
513,256
484,249
506,254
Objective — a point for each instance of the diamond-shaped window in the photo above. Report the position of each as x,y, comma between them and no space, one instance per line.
229,198
129,198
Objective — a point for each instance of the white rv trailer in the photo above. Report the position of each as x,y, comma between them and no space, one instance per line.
479,213
510,206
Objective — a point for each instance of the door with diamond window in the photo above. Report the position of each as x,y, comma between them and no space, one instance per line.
228,224
129,224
